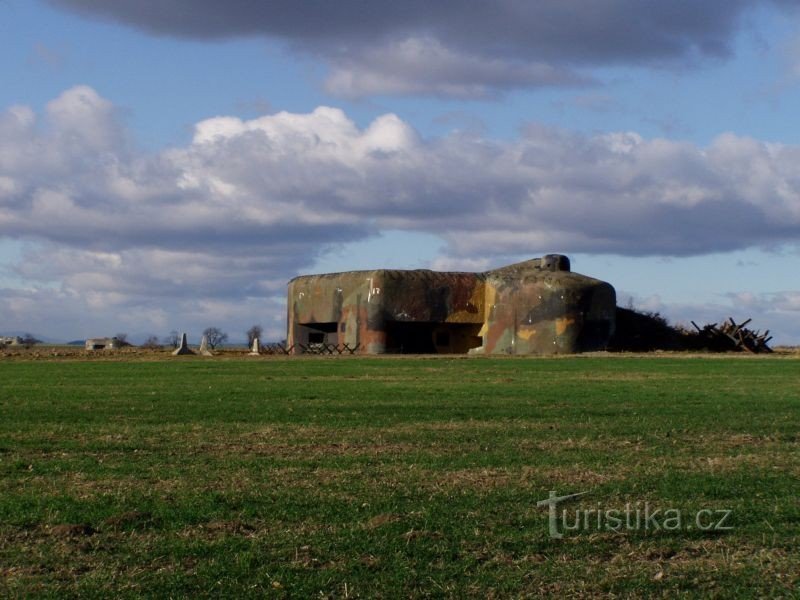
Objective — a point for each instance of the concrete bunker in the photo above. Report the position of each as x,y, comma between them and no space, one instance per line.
98,344
537,306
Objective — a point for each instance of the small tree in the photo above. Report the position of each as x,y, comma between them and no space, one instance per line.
28,340
173,339
215,336
254,332
122,338
151,343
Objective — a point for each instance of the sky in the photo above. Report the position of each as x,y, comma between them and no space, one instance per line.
171,164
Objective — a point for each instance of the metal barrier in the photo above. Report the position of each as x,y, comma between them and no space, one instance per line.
331,349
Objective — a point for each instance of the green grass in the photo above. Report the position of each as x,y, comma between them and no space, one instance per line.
404,477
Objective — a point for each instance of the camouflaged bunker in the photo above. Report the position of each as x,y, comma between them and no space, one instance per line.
534,307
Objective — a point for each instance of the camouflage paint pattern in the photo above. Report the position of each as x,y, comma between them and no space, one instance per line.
534,307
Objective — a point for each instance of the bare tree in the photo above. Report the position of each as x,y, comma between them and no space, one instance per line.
254,332
215,336
173,339
28,340
122,338
151,343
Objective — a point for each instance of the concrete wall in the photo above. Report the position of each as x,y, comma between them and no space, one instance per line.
102,344
534,307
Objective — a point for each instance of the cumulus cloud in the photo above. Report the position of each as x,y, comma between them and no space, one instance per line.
246,204
453,47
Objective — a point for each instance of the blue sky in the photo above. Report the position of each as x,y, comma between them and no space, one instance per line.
165,165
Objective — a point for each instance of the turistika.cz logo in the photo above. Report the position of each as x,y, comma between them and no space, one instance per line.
633,517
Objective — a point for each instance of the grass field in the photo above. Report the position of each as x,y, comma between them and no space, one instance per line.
396,477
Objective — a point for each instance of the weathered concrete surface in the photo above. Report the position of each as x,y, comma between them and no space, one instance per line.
546,311
102,344
183,349
204,349
534,307
255,349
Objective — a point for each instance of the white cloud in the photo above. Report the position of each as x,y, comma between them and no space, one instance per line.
425,66
81,117
232,215
449,263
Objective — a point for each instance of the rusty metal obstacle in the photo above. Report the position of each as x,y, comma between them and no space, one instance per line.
276,349
331,349
730,336
322,348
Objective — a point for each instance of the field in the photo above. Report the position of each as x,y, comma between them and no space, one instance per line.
398,477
